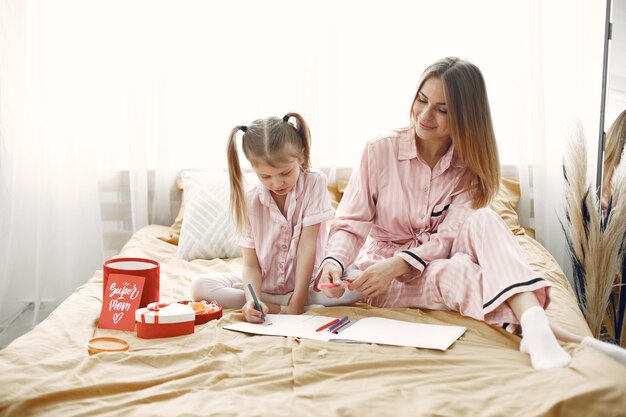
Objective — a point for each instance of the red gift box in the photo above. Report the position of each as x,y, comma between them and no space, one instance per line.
141,267
202,318
164,320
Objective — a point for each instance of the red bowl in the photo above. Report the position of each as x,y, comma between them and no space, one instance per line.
206,317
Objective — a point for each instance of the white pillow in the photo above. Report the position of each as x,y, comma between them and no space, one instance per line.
208,231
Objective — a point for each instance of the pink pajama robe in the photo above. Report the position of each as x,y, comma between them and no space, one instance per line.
465,259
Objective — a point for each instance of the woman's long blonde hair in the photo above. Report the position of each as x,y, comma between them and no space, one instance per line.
471,128
270,141
615,139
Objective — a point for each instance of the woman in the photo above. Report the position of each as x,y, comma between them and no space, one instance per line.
615,140
413,221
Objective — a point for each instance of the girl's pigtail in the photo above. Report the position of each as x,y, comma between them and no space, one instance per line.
305,135
238,209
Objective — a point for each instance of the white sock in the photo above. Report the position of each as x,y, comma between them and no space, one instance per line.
613,351
539,341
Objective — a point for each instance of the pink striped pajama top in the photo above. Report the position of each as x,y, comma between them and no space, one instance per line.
275,236
394,196
465,259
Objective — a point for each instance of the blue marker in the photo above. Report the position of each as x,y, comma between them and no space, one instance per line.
339,323
256,301
337,331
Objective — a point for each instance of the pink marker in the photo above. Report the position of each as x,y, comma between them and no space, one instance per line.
327,285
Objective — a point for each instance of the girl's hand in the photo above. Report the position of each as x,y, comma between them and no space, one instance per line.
375,280
292,309
331,273
251,314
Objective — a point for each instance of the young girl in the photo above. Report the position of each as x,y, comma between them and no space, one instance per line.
281,223
413,221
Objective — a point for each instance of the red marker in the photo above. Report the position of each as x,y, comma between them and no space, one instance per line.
342,326
339,324
327,325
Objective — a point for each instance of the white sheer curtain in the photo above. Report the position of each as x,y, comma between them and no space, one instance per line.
49,209
561,85
91,88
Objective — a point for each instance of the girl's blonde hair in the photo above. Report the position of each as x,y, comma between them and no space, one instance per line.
270,141
471,128
615,139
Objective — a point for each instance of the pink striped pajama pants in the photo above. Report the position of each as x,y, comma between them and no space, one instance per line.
485,268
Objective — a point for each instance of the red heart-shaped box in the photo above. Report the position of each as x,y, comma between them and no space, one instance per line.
205,317
164,320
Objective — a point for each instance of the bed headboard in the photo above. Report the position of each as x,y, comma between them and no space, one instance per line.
117,218
115,192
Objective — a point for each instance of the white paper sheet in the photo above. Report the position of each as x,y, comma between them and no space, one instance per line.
366,330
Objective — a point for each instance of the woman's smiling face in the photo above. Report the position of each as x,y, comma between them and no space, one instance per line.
430,112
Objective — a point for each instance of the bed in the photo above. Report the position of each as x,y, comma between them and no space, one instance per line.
47,372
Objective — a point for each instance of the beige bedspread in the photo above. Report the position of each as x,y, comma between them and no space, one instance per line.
48,372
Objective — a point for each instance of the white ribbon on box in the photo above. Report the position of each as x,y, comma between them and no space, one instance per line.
161,313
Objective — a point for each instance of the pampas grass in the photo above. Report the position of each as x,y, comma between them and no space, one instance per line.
596,250
615,224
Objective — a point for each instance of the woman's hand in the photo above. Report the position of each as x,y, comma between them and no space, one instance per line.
375,280
331,273
251,314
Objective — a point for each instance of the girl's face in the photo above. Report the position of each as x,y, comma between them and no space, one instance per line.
430,111
280,178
